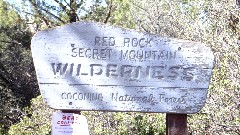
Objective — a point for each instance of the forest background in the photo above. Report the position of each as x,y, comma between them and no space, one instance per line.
214,23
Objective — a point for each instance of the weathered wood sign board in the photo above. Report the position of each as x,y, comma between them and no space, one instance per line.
89,66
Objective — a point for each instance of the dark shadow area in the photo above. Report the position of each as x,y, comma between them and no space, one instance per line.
18,83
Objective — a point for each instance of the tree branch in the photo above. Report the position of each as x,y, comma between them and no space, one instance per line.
48,12
42,16
73,15
38,12
109,12
62,6
67,3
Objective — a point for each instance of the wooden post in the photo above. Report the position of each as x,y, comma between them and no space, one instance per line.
176,124
71,111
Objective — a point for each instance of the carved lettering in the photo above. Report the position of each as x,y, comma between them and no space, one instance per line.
82,96
173,72
59,68
104,41
96,69
169,100
142,55
112,70
133,73
132,98
99,54
136,42
126,71
188,73
74,50
158,72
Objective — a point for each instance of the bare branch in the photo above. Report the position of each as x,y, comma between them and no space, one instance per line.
109,12
62,6
42,16
67,3
38,12
48,12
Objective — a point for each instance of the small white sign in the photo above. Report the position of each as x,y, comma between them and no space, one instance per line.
69,124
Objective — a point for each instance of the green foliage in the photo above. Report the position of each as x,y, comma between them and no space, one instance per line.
122,16
222,107
37,120
125,123
17,75
8,16
97,13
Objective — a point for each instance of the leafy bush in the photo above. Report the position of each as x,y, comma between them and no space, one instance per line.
37,120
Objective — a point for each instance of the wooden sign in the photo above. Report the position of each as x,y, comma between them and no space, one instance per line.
90,66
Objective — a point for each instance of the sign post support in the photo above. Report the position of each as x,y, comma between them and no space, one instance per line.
71,111
176,124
